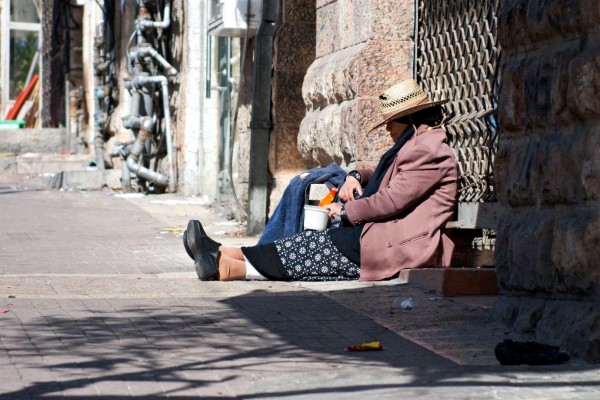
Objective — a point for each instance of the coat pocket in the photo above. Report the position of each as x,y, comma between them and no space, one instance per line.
413,238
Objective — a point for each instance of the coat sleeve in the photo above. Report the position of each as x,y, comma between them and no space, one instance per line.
365,174
413,177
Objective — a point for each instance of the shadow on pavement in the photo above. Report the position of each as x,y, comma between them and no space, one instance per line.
256,345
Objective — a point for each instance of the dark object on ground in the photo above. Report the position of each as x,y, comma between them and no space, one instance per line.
509,352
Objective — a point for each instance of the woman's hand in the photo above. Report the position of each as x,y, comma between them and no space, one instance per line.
348,188
334,209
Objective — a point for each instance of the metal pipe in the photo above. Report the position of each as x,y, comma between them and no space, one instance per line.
164,24
228,101
261,124
147,51
141,81
133,160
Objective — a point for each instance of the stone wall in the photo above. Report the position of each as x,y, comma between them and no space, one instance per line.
362,48
547,171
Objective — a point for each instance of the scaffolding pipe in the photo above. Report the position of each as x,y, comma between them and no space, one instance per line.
146,50
141,81
134,162
164,24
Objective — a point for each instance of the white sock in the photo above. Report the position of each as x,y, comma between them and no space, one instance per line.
252,273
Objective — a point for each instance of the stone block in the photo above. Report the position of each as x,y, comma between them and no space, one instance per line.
371,144
329,79
8,163
572,325
584,84
547,252
381,64
303,11
319,137
517,172
83,180
546,169
288,106
363,70
567,323
546,84
512,25
323,3
32,163
392,20
590,170
341,134
575,252
284,149
524,262
295,47
328,34
524,24
511,104
557,19
278,185
453,281
43,140
560,162
538,87
347,23
354,22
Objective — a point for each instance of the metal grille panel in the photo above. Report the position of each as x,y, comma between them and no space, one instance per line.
457,58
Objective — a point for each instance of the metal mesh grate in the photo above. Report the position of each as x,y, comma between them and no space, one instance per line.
457,58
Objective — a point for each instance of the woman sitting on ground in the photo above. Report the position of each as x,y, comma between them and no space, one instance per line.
392,216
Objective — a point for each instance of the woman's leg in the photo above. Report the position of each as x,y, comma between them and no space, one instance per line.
233,252
231,269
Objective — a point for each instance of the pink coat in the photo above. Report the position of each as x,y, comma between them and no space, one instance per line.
404,220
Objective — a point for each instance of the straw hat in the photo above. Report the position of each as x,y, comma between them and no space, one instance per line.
402,99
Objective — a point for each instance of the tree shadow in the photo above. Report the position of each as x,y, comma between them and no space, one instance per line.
237,347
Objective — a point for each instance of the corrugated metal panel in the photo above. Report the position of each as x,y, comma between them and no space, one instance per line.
457,57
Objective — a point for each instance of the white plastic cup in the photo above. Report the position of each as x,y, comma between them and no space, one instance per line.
315,218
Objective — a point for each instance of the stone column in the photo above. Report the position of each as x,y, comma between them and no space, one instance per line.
362,48
548,172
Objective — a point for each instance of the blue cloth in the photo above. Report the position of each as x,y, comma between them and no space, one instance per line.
287,218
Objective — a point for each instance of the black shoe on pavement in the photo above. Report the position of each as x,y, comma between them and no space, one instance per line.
204,251
186,247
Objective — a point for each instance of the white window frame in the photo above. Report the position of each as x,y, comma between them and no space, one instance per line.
7,26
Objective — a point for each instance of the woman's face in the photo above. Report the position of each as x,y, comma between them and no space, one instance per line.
396,129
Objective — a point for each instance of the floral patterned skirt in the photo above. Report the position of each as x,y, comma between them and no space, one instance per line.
312,256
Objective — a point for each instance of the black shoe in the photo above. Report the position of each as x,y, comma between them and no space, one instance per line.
185,245
185,242
204,251
510,352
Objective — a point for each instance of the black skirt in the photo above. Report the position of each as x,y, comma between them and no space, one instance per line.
306,256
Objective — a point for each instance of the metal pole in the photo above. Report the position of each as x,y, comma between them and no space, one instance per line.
260,124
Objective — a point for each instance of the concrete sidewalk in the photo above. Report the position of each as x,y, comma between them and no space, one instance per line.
101,301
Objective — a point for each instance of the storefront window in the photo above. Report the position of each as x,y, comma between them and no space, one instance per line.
20,36
23,46
25,11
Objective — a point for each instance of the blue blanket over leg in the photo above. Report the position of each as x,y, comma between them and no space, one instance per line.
287,217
